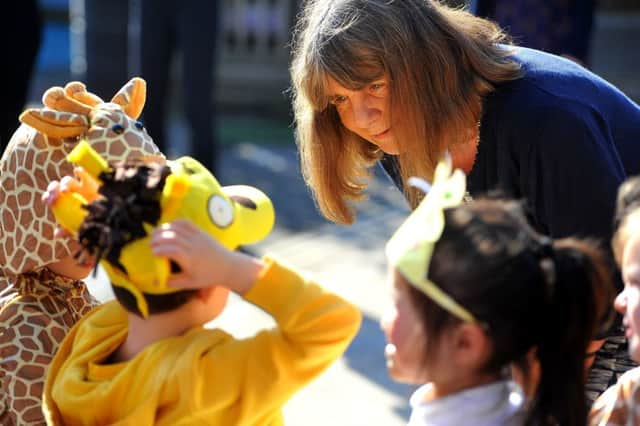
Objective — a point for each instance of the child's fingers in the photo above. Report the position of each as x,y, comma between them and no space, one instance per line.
68,183
61,233
180,281
50,195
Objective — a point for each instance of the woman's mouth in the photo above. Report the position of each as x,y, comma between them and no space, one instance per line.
382,134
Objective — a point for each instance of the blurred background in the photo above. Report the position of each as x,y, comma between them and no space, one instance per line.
105,43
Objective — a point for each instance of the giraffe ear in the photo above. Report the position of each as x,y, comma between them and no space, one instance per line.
78,91
55,124
132,97
56,98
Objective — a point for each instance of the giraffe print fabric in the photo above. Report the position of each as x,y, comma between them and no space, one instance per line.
37,306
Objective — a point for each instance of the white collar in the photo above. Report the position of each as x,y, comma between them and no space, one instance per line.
498,403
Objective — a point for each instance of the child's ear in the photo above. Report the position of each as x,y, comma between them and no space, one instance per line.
473,347
205,293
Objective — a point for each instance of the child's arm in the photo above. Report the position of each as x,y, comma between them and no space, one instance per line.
258,375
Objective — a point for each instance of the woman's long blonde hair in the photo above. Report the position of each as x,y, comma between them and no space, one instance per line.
440,63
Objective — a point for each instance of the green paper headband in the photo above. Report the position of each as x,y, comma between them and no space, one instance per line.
411,247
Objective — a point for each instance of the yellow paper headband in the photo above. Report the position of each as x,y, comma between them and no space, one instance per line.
411,246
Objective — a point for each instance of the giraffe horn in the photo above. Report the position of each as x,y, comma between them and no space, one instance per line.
78,91
132,97
56,98
55,124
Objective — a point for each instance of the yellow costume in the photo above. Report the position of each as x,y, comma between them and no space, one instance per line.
203,376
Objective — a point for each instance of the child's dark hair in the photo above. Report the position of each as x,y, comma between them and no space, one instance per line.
130,197
627,202
530,292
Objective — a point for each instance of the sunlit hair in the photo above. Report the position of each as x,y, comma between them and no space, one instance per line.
627,215
530,292
440,63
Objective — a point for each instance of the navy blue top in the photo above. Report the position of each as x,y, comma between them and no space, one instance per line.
562,139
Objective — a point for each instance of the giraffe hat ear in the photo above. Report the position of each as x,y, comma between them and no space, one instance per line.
132,97
55,124
56,98
78,91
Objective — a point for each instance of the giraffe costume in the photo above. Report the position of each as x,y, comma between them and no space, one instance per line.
37,306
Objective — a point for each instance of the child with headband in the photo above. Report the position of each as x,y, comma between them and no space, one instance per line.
475,290
620,404
165,234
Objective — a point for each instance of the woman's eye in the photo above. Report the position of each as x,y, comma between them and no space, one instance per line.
337,100
377,86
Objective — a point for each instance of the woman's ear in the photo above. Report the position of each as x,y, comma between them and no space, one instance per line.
472,347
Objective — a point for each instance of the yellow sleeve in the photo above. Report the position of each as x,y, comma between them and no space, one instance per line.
314,328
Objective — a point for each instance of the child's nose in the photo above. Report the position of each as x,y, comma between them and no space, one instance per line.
620,303
387,319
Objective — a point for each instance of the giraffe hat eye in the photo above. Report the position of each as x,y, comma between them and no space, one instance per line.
220,211
117,129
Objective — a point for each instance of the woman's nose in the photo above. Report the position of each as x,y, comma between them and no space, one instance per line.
363,113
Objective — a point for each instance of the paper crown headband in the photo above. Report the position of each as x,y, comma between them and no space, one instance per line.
233,215
411,246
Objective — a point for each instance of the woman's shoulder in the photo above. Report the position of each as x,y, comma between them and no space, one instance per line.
552,82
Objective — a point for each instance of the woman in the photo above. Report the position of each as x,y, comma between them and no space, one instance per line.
403,82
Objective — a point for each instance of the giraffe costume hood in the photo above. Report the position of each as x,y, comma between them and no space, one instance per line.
37,306
37,152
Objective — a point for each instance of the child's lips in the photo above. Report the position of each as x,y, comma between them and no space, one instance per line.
628,332
89,262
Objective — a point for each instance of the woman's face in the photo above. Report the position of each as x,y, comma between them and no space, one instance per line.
366,112
628,301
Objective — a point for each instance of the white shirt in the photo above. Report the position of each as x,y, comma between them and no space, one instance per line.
499,403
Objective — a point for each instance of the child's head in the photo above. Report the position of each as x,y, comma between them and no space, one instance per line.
486,290
626,248
135,197
36,155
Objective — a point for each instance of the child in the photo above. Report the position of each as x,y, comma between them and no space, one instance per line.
475,290
41,292
146,358
619,404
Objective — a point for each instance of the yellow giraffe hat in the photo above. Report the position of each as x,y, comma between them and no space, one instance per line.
36,154
233,215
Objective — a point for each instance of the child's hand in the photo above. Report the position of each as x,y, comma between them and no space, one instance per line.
203,261
54,189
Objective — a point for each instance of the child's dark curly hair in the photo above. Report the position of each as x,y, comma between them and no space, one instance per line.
130,197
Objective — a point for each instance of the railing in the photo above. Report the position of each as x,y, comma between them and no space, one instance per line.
253,60
252,55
